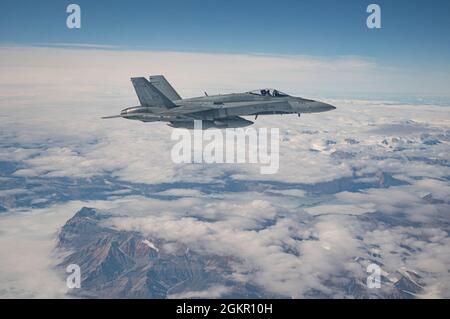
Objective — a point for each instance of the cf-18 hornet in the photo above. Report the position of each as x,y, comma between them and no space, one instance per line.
161,103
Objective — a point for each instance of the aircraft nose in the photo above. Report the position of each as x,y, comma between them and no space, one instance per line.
327,107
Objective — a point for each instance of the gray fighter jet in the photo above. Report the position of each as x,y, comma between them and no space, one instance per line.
160,102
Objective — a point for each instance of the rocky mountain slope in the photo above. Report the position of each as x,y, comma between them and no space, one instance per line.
124,264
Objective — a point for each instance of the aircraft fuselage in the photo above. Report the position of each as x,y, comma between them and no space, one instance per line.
160,102
209,108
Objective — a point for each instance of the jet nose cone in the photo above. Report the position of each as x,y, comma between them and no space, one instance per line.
321,107
328,107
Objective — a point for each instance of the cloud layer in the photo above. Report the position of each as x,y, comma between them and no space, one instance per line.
367,183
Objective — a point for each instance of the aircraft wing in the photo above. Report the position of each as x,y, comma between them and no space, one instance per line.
190,108
152,117
196,107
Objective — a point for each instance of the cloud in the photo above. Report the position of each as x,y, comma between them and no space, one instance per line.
409,201
27,246
347,193
91,70
211,293
66,91
275,244
423,250
293,253
341,209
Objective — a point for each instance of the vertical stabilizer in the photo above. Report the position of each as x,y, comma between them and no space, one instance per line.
150,96
160,82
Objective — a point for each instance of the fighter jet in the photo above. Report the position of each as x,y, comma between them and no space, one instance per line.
161,103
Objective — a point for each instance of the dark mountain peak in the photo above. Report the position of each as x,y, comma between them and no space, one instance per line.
87,215
83,228
431,200
86,212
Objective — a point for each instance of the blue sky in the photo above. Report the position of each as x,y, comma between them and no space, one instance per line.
415,33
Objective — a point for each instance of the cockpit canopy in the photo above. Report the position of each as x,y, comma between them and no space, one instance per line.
268,92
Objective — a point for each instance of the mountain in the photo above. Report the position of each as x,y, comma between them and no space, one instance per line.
125,264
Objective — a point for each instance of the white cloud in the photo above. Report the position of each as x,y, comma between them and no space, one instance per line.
27,249
283,237
65,104
341,209
216,291
87,70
